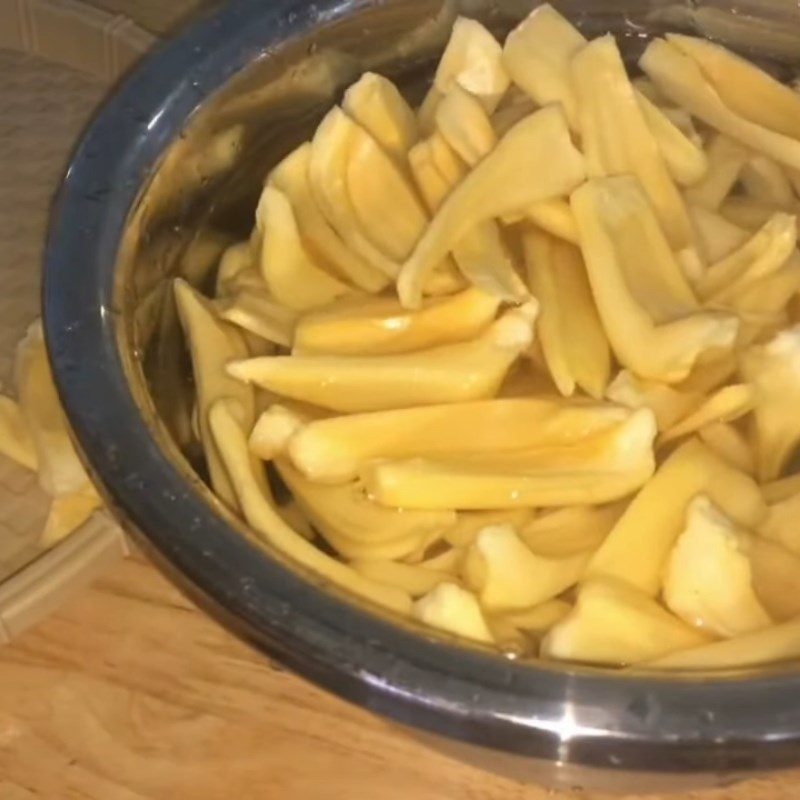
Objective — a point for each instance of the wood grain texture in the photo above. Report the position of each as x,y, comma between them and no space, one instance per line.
131,693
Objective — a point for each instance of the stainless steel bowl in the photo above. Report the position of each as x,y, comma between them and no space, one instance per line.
168,172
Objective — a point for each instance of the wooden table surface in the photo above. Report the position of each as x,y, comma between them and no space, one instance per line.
131,693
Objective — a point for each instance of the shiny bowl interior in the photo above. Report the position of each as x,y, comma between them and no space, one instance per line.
167,175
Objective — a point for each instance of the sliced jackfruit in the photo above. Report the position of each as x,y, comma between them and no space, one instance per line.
381,326
747,212
514,106
764,180
290,273
776,576
782,524
254,311
259,511
335,450
539,145
665,352
375,103
638,546
781,489
473,60
571,530
773,369
506,574
717,237
446,374
555,217
274,428
617,139
612,623
236,259
602,468
291,177
465,125
537,54
568,327
726,159
730,444
743,87
15,439
678,76
455,610
212,343
68,512
708,581
470,523
414,579
725,405
537,620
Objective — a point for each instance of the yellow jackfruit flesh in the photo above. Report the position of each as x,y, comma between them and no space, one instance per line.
335,450
538,145
537,620
455,610
258,509
471,523
411,578
725,405
599,469
666,351
254,311
716,236
291,176
730,444
472,59
537,54
375,103
773,644
273,430
573,342
708,581
638,546
15,438
726,159
764,180
678,76
449,373
747,212
290,273
465,125
381,326
782,524
212,343
616,137
68,512
776,576
235,260
571,530
506,574
612,623
782,489
555,217
773,369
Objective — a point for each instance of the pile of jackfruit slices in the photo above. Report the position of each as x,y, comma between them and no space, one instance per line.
527,358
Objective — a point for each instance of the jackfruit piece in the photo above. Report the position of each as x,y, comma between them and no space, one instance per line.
668,403
236,259
680,79
68,512
774,371
762,254
254,311
776,576
716,236
355,525
748,213
539,145
638,546
413,579
387,209
260,513
708,581
465,125
729,444
452,167
764,180
665,352
449,560
602,468
742,86
555,217
375,103
274,428
15,438
60,470
571,530
782,524
290,273
766,646
455,610
710,374
450,373
515,105
471,523
211,344
506,574
612,623
725,405
686,161
537,54
568,328
726,159
432,184
291,177
336,449
426,113
537,620
473,60
381,326
616,138
766,299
